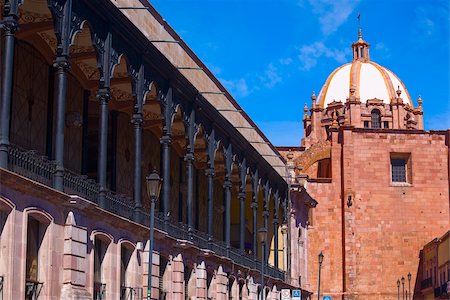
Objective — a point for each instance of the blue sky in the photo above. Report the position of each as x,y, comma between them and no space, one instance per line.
271,54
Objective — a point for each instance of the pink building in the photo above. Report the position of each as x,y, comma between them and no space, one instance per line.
381,183
94,97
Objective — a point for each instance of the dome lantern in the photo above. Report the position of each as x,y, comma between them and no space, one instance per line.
360,47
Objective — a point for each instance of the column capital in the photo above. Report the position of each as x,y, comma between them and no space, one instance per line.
166,139
254,205
266,213
210,172
103,94
227,183
61,63
242,196
9,25
137,119
189,157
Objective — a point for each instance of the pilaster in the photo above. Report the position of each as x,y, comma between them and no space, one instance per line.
75,262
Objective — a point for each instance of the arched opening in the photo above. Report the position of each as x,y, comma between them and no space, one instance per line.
6,207
101,245
127,258
219,199
37,258
201,182
235,206
375,117
164,271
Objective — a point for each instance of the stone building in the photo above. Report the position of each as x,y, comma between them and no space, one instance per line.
434,269
380,180
95,95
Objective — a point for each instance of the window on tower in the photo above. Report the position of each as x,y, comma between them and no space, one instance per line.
376,118
401,168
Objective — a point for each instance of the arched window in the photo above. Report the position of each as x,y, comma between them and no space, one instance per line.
376,118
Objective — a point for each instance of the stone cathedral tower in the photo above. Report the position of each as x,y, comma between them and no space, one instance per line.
380,181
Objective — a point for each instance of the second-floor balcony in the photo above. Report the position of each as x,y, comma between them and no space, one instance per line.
38,168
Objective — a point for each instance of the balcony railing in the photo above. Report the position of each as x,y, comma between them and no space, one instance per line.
1,287
42,170
129,293
426,283
441,291
99,291
32,289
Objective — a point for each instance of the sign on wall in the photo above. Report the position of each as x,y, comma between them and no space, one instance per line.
296,294
285,294
326,298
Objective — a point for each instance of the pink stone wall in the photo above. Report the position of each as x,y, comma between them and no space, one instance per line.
380,235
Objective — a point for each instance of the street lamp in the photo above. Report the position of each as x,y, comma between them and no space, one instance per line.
398,289
262,237
403,287
320,267
409,284
153,189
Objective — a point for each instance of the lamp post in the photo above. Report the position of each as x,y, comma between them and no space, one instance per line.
403,288
398,289
320,267
153,189
409,285
262,237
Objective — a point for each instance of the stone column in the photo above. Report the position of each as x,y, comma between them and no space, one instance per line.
165,144
210,175
254,226
242,222
137,190
103,95
9,27
62,66
275,238
227,186
189,158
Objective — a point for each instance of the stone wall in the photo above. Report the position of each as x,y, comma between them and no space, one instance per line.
381,228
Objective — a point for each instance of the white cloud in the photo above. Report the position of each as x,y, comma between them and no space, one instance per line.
332,13
271,76
310,54
431,19
382,50
215,69
237,88
286,61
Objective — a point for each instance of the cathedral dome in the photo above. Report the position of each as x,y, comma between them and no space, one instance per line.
362,79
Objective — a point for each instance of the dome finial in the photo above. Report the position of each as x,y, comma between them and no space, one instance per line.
419,100
359,26
399,91
313,97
